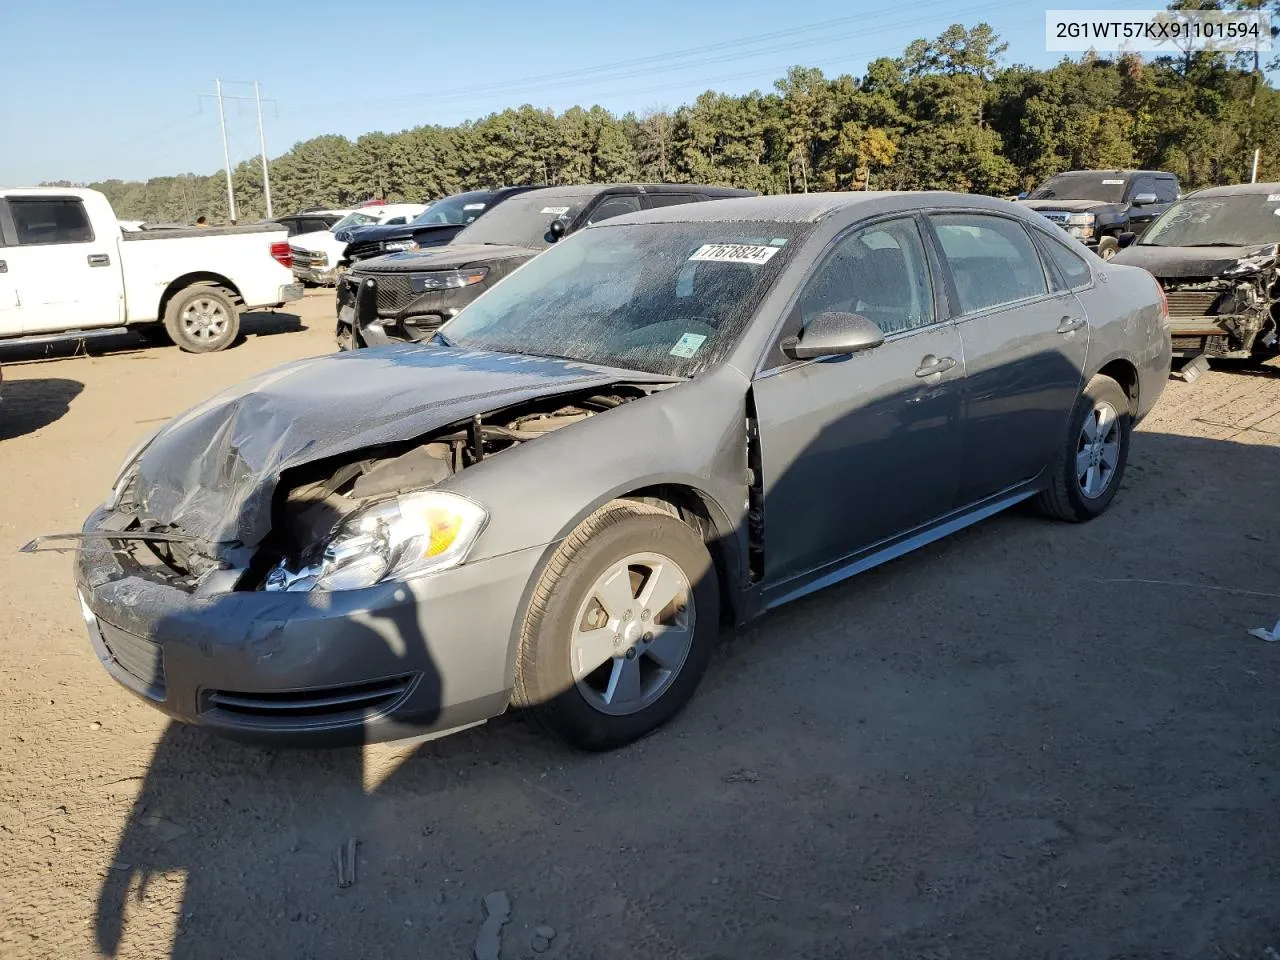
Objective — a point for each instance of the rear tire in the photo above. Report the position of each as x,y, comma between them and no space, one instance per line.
202,318
1090,465
598,677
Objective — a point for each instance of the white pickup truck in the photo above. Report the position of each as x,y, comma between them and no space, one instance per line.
68,271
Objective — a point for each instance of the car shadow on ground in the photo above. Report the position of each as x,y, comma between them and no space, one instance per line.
30,405
268,323
1031,738
259,323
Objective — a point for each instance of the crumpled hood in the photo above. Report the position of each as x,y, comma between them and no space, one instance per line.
211,471
446,258
1177,262
1075,206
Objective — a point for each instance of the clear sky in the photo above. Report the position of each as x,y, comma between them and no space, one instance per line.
91,90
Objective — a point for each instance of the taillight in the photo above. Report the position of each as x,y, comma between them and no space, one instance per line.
1164,301
282,255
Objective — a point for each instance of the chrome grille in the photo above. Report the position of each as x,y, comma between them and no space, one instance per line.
365,250
1060,217
1187,304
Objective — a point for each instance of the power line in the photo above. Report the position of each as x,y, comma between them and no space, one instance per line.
689,57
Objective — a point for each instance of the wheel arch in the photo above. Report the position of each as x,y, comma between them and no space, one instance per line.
199,278
1124,372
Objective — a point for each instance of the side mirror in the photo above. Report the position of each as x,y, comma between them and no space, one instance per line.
833,335
1126,239
1143,199
556,229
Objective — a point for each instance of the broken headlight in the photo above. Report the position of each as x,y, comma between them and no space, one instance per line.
446,279
413,534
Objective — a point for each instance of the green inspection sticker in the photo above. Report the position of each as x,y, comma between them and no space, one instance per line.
688,345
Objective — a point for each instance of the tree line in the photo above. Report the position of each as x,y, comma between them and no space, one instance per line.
945,115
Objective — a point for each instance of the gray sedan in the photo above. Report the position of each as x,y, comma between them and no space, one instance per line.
669,423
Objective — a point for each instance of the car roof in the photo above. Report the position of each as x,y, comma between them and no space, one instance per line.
592,189
1238,190
811,207
1124,173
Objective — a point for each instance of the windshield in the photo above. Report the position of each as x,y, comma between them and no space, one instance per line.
352,220
456,210
523,221
1240,221
1081,186
668,298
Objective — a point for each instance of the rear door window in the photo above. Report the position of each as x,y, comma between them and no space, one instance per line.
992,260
1166,190
43,220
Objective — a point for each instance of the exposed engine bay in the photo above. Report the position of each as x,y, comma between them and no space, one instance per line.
1233,315
312,501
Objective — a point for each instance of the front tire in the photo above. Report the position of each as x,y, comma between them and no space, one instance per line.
202,319
1090,465
620,628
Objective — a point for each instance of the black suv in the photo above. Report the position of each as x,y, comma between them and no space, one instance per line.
434,227
407,296
1097,206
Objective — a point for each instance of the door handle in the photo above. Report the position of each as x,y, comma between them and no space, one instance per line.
1070,324
931,365
99,260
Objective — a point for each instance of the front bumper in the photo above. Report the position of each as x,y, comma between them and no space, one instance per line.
391,661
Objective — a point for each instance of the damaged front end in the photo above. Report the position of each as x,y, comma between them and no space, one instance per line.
349,522
1232,313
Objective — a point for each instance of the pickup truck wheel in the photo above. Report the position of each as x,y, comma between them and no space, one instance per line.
620,627
202,319
1091,463
1108,247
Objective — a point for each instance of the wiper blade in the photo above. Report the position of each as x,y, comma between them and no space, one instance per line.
1218,243
38,544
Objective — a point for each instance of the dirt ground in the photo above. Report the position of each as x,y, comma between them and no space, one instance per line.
1030,740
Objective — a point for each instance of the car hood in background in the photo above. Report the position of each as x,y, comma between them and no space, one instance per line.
1177,262
1075,206
449,257
211,471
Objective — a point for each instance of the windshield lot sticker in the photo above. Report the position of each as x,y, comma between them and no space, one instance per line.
688,345
557,211
1273,198
1113,183
734,253
473,206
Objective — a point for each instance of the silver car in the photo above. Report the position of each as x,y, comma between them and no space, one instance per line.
669,423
